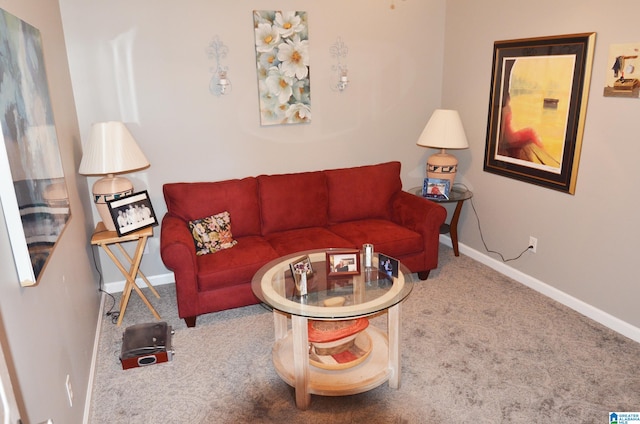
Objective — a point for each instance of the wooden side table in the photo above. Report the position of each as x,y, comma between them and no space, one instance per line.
104,238
455,195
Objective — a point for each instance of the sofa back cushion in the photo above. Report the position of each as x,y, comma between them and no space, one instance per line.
191,201
291,201
362,192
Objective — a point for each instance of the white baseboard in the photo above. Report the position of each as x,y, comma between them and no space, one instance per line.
94,359
577,305
155,280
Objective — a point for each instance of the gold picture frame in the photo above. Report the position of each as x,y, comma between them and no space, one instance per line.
537,108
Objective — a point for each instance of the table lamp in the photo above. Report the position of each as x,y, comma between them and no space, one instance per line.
111,150
443,131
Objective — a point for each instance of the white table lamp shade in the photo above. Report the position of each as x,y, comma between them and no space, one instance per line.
443,131
111,149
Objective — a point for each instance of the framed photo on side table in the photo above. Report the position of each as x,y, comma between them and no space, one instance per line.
436,188
343,262
132,213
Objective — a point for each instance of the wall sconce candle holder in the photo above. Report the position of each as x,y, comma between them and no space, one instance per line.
339,51
220,83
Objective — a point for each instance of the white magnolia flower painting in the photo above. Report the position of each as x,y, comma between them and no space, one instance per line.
282,58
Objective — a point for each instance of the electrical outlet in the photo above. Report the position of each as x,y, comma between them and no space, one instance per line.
533,242
69,390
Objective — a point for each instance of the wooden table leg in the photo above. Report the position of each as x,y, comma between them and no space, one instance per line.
453,227
280,324
124,301
301,361
280,319
144,278
131,275
393,324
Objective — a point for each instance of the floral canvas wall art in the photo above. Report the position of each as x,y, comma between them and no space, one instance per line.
282,60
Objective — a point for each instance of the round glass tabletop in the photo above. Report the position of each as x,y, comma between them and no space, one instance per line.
334,297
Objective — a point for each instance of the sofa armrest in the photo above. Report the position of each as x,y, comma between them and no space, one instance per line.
178,253
424,217
417,213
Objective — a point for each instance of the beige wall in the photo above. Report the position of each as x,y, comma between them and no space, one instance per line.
50,328
403,64
587,243
147,65
394,59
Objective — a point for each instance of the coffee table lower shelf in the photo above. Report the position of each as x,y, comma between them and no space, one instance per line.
370,373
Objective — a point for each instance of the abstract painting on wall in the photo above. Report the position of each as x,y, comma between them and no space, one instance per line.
32,184
282,58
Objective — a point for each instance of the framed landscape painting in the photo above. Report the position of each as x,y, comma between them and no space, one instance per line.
32,184
537,107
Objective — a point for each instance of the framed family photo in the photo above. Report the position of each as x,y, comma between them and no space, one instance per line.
343,262
132,213
436,188
388,265
537,108
300,266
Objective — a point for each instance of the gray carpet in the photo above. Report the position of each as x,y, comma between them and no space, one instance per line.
477,347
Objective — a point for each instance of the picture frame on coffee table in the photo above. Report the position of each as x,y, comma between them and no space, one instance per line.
343,262
388,265
301,266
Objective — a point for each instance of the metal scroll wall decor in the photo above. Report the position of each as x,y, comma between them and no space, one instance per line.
32,184
220,83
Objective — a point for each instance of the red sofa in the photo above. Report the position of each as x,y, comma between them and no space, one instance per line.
275,215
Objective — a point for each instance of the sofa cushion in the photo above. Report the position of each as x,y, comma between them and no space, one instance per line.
362,192
387,237
291,241
212,233
233,266
289,201
190,201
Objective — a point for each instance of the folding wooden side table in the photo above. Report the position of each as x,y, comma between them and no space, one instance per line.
104,238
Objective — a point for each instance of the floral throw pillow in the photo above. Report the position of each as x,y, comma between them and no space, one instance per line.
212,233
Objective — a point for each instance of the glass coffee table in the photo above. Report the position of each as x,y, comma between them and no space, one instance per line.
338,298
